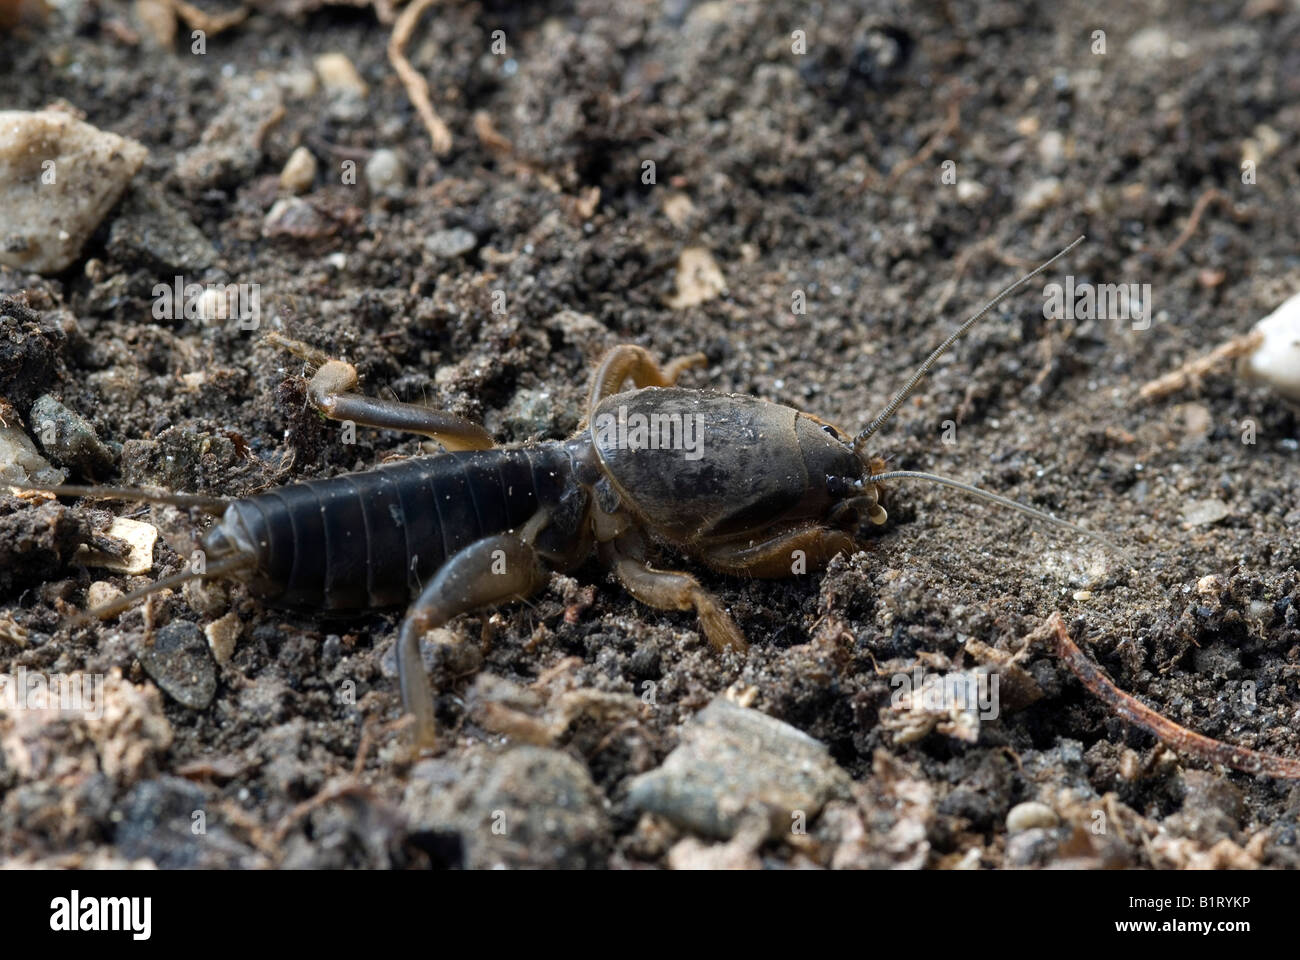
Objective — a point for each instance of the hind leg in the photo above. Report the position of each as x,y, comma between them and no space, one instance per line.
332,391
629,362
487,572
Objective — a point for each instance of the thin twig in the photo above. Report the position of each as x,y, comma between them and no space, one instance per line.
949,127
417,88
1139,714
1195,369
1212,195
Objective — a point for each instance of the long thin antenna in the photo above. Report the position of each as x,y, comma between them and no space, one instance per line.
217,569
892,407
212,505
1040,515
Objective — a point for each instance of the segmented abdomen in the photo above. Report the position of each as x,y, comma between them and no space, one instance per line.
372,539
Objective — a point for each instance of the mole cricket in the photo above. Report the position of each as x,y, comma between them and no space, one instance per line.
480,525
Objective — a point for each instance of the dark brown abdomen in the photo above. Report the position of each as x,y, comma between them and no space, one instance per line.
372,539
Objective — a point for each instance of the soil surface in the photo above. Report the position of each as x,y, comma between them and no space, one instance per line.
676,175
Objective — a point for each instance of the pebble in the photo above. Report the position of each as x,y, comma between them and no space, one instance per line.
72,441
1031,815
734,763
295,218
971,192
339,76
181,664
299,171
699,279
1042,194
385,172
20,462
223,635
100,593
529,807
229,152
45,224
1209,585
449,244
157,823
298,84
679,209
1199,513
1051,150
1032,848
1276,361
148,228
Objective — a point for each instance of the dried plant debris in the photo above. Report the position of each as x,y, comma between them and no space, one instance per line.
1268,354
1177,737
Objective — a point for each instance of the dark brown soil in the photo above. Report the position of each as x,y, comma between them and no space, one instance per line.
820,173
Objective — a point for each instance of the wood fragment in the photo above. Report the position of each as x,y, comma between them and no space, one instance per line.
950,124
487,135
1139,714
1212,195
1193,370
959,269
417,88
211,24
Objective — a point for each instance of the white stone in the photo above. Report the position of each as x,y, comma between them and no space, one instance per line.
385,172
1027,816
222,636
139,537
44,224
299,171
1276,361
20,462
339,76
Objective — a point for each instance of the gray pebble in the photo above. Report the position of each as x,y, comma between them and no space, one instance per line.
1032,848
385,172
68,439
449,244
735,763
181,664
151,231
168,821
527,808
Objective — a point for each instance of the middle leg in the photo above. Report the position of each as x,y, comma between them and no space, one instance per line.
803,549
670,590
487,572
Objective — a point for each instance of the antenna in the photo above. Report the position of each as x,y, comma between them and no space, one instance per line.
212,505
218,569
892,407
1028,511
